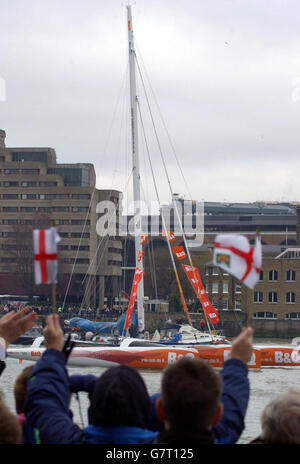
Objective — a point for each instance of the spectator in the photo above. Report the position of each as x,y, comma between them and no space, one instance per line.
12,325
10,428
119,409
190,386
20,393
280,420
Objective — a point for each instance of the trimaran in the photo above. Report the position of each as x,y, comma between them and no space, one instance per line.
187,333
137,352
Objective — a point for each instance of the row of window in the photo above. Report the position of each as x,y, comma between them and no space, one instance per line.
272,274
30,183
45,209
73,222
61,234
45,196
258,297
20,171
269,315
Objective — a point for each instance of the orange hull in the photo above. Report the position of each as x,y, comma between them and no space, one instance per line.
216,355
279,356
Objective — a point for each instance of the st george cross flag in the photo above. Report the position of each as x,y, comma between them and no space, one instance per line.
136,280
234,254
45,255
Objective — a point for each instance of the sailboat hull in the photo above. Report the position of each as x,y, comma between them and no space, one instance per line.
136,357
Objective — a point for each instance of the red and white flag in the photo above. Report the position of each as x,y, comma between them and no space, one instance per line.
179,252
136,280
169,235
195,279
234,254
45,255
143,239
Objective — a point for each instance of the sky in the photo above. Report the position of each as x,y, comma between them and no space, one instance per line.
225,75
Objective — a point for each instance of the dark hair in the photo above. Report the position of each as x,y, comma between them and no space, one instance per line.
20,388
120,397
191,391
10,428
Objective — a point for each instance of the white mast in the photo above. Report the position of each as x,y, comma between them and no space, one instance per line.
135,171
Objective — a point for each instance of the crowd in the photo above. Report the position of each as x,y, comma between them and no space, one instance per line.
112,311
196,404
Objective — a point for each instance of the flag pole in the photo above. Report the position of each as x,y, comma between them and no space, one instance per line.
53,285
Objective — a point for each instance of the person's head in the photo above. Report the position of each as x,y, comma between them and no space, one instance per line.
10,428
120,398
280,419
190,395
20,388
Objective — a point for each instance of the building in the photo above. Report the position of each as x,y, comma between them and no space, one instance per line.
35,192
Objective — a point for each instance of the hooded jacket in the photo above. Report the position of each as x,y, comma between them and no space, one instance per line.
47,405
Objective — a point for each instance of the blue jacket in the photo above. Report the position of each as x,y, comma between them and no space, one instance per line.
48,394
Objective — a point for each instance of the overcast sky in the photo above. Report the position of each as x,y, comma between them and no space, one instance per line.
225,73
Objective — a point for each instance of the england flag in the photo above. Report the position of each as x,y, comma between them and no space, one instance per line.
45,255
234,254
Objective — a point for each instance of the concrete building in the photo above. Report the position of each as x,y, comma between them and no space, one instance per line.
35,191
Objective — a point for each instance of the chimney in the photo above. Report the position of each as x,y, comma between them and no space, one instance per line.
298,225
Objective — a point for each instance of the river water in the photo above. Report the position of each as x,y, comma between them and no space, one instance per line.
264,385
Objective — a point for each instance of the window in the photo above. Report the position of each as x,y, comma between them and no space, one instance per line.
215,303
272,297
62,195
273,275
27,209
28,184
62,221
44,209
224,304
79,209
215,287
80,248
265,315
11,171
291,275
292,316
238,305
30,171
215,271
290,297
10,209
48,184
28,196
258,297
60,208
225,287
238,287
82,196
78,235
10,184
10,196
80,222
261,276
10,221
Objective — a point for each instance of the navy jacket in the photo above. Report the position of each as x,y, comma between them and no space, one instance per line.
48,394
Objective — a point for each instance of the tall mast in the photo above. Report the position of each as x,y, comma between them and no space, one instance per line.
135,171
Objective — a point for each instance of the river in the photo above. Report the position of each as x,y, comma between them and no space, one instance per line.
264,385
